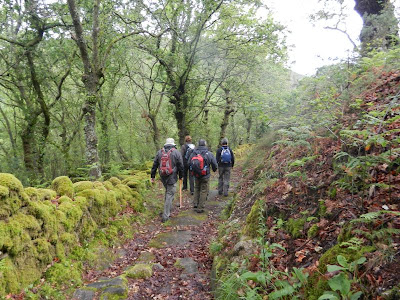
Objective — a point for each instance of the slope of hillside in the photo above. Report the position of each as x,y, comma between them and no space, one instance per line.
317,213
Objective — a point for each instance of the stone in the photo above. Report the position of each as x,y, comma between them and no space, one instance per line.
146,257
158,266
116,290
173,238
118,281
188,265
139,271
244,248
83,294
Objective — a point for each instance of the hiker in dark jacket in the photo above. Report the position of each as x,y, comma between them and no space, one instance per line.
226,161
201,156
170,164
186,151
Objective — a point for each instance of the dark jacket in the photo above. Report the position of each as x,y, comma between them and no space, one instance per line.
231,164
209,157
177,165
183,153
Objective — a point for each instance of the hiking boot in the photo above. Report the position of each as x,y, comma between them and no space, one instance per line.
199,211
192,193
163,219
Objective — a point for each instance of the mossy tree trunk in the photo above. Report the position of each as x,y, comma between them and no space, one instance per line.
380,25
228,110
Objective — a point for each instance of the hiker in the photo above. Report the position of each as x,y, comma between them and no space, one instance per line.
226,160
186,151
201,160
170,164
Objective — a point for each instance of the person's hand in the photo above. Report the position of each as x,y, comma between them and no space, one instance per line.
153,180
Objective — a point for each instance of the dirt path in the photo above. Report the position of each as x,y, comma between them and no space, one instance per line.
163,261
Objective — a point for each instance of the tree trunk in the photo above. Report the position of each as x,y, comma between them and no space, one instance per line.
180,116
28,142
380,28
91,79
104,147
227,113
249,121
156,132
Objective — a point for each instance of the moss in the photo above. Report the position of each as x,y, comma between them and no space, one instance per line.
32,193
220,264
72,212
45,213
11,182
139,271
63,186
64,272
330,256
82,185
4,191
9,282
321,208
312,232
18,232
46,194
45,251
345,233
108,185
316,286
295,226
115,181
87,227
252,220
332,193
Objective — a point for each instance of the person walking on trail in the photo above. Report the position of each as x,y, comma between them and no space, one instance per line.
201,162
170,164
226,161
186,151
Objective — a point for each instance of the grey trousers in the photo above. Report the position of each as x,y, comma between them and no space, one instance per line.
223,180
201,187
170,190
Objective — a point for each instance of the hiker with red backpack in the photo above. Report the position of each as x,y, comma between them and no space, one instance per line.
170,164
200,163
186,151
226,160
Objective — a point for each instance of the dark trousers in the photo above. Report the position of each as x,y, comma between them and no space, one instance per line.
186,174
223,180
201,188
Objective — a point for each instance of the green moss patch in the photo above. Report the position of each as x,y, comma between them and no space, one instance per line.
63,186
139,271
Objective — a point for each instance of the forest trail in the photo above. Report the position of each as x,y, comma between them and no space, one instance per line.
164,261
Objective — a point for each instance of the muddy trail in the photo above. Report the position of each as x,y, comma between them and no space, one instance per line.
164,260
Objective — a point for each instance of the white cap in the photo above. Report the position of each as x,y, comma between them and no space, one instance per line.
170,141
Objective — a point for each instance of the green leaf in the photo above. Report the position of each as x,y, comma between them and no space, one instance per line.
340,283
342,261
356,296
276,245
288,290
334,268
329,295
300,275
361,260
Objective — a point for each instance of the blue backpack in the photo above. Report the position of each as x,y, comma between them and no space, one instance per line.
226,156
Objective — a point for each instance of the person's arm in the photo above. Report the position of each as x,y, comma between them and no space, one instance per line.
154,168
218,155
214,164
233,157
179,164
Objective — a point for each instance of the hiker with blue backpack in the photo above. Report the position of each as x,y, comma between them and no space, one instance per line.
226,160
201,162
186,151
169,162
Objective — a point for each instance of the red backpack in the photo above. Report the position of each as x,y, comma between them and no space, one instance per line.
166,163
198,166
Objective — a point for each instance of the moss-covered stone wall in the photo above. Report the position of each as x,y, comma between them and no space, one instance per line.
39,226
